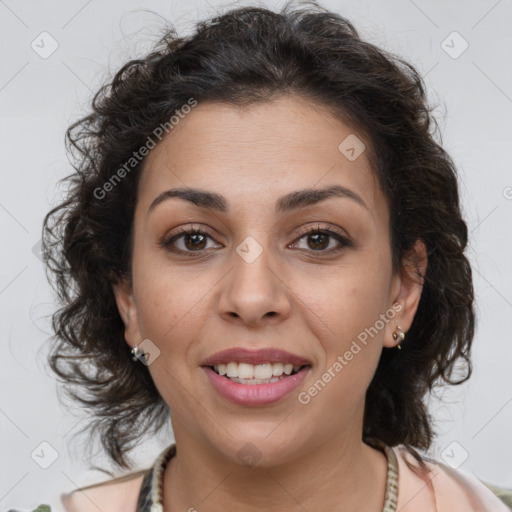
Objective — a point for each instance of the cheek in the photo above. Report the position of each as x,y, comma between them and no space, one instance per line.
344,314
349,298
169,310
351,346
168,301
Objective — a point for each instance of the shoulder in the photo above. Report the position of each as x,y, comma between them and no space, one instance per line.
441,488
116,495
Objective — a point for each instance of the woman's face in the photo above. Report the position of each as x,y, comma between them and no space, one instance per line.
253,278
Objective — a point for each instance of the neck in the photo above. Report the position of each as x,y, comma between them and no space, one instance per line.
338,474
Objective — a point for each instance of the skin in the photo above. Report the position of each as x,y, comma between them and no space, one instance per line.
293,296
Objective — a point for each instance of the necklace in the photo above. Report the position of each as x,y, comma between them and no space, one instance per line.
150,496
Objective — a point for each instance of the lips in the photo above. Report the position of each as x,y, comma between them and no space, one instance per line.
260,356
256,395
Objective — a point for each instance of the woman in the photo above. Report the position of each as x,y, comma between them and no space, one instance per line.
263,239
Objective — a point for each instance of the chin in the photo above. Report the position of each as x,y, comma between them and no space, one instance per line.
261,450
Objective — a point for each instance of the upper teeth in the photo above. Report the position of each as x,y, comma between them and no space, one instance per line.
254,371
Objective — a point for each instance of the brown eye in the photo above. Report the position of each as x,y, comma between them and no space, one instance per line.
187,241
318,240
194,241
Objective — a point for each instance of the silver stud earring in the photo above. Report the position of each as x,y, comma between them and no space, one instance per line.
137,353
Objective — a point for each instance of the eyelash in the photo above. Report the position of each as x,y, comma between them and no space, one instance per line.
182,232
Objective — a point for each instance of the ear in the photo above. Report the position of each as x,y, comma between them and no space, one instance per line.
127,308
406,291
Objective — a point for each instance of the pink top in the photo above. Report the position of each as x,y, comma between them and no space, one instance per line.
443,489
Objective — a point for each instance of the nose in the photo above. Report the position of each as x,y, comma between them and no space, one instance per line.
254,291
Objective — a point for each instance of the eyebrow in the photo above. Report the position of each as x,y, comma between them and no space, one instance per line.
286,203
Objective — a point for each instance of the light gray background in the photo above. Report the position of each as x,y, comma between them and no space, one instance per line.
40,97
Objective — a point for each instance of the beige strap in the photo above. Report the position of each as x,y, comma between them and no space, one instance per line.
391,499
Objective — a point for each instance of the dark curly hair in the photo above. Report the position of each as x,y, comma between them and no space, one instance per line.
242,57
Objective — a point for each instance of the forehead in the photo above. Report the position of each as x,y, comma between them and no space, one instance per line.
259,153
